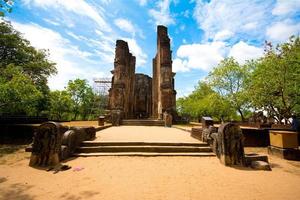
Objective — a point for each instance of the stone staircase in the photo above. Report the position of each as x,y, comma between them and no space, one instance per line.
96,148
142,122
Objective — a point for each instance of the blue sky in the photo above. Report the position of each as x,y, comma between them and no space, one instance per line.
81,35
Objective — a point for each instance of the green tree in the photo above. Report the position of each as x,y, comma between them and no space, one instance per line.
15,50
18,94
99,105
82,95
229,80
61,105
275,82
204,101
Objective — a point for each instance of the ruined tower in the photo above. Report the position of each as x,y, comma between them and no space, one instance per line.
163,93
133,95
121,94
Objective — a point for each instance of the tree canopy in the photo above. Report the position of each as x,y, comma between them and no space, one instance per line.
22,63
229,80
270,83
204,101
275,81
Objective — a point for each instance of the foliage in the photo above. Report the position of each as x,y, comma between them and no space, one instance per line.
275,82
76,102
270,83
204,101
32,65
82,96
14,49
61,105
229,80
18,94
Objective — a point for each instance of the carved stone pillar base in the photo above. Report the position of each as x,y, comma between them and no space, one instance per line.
47,144
116,117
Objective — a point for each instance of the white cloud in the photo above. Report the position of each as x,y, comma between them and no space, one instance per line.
125,25
186,13
136,50
75,36
81,8
284,7
208,55
180,65
250,26
281,31
223,35
69,58
199,56
162,16
243,51
142,2
51,22
218,15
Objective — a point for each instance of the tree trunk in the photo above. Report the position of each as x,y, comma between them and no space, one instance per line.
241,113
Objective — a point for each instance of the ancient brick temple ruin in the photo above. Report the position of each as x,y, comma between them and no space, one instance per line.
135,96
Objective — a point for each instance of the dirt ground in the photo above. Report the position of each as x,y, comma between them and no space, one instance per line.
81,123
144,134
147,178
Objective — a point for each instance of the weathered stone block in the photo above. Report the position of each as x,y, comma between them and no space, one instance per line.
206,122
260,165
288,154
168,119
207,134
196,132
116,117
249,158
284,139
101,120
69,140
47,144
229,145
79,135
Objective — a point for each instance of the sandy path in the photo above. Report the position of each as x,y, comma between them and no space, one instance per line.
154,178
144,133
147,178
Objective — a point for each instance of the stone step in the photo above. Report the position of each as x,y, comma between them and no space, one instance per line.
145,154
142,122
149,148
100,143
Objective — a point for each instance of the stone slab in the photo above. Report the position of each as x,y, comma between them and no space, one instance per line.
260,165
284,139
288,154
249,158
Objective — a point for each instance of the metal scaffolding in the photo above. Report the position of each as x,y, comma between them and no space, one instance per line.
101,86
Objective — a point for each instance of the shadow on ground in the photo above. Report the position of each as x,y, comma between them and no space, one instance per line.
9,149
11,154
16,191
82,195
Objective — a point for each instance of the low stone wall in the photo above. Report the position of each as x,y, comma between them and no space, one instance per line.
196,132
256,137
17,133
253,137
